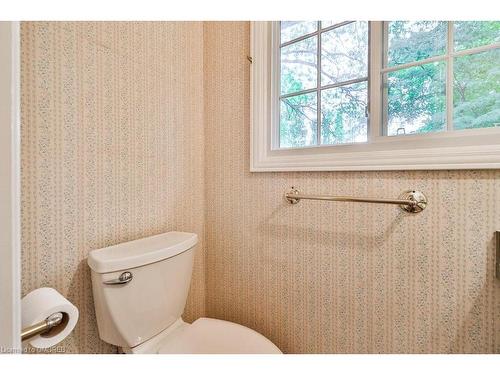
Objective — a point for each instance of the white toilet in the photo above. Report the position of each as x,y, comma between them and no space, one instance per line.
140,290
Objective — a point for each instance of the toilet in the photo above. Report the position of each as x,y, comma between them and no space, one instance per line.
140,290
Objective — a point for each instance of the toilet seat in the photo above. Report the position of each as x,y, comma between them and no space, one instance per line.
214,336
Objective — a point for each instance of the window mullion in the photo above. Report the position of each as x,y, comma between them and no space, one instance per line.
375,81
344,83
449,77
389,69
295,93
472,51
384,86
318,85
275,84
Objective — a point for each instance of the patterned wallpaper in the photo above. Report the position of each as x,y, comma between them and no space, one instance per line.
112,150
323,277
116,145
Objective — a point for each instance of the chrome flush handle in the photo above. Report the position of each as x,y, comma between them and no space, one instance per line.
124,278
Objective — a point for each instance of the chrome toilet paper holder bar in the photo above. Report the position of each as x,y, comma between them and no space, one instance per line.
44,326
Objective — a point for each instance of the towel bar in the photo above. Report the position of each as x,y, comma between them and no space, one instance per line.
413,201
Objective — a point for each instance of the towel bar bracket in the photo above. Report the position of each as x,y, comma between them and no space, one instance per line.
418,201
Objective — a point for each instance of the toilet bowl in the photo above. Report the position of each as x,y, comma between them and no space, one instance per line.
207,336
140,290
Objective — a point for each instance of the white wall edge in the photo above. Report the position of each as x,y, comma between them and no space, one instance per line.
10,256
16,181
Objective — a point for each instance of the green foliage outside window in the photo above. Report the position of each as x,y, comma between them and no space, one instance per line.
415,96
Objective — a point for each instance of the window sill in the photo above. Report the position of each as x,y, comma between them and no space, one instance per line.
469,157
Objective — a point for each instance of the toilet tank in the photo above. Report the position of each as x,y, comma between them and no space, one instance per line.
131,310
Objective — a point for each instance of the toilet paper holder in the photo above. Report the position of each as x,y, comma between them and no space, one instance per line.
44,326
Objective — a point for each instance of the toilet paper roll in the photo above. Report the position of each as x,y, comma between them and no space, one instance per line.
37,305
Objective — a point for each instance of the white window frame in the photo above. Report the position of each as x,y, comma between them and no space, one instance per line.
464,149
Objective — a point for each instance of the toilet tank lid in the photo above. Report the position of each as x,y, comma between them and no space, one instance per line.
140,252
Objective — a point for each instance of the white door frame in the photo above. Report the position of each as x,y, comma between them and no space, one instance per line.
10,203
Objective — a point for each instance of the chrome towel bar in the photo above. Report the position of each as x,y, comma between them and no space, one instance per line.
413,201
43,326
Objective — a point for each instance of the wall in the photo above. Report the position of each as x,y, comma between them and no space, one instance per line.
112,150
341,277
114,146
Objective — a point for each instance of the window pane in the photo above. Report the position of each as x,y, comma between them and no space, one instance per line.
416,99
298,66
294,29
476,90
343,114
410,41
470,34
298,120
344,53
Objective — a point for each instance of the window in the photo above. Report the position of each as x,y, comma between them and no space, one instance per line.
357,95
323,83
422,57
